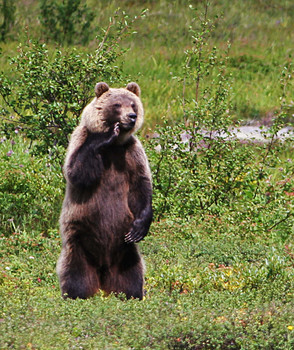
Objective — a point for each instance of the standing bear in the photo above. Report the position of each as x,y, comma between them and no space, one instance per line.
107,206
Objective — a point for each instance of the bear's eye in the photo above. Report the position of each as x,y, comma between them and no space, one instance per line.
117,105
132,105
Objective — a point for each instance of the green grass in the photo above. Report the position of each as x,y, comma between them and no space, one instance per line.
212,282
258,54
261,34
216,291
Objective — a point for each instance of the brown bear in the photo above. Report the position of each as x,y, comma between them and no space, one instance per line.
108,201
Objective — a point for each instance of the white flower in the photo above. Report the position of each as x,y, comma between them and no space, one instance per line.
157,148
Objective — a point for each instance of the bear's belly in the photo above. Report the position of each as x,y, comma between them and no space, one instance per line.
110,207
102,212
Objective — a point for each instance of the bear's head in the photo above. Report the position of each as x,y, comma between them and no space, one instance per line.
111,106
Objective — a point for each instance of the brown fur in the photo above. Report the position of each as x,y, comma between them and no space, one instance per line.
107,206
92,116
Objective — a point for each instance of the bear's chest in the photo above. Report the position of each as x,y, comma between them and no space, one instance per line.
118,166
115,160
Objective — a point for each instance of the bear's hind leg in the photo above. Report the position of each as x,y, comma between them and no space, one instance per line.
127,276
132,281
78,279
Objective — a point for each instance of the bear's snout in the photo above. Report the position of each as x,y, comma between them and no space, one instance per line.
128,122
132,118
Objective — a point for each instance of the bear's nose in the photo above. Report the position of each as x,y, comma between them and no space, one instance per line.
133,117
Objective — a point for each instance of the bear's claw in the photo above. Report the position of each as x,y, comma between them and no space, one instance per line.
134,236
130,238
116,129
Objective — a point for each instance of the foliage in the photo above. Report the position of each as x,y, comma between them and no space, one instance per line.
66,22
260,32
7,10
202,162
215,291
48,90
220,261
31,190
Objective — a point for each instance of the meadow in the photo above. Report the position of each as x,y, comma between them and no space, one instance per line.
220,253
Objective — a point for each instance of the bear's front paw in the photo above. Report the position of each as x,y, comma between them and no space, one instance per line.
116,129
112,135
137,233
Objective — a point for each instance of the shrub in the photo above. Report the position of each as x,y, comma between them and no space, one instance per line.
199,160
199,165
47,90
31,190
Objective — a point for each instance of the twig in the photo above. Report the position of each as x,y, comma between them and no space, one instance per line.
279,222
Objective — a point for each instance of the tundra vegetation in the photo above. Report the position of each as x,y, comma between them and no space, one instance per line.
220,253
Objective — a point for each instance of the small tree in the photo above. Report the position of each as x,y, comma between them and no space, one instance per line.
199,165
199,160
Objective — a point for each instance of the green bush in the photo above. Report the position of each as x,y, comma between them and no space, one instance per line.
31,189
44,95
199,166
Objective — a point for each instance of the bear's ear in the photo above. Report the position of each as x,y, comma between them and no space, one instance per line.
135,88
100,88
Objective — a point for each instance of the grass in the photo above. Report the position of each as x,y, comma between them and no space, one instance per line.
257,53
203,292
156,52
212,282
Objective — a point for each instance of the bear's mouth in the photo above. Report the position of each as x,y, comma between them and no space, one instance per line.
127,126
